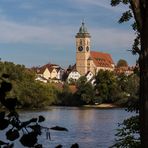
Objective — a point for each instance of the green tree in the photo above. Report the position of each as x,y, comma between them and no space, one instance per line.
85,90
122,63
128,134
139,10
65,96
133,86
120,91
127,90
105,85
30,93
35,94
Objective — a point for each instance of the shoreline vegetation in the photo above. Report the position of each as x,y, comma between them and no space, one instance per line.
96,106
103,106
108,91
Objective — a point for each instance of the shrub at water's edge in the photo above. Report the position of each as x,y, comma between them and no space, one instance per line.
109,88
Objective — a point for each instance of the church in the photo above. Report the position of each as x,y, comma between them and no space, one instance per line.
87,60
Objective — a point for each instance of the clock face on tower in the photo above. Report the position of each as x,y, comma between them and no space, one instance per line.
87,48
80,48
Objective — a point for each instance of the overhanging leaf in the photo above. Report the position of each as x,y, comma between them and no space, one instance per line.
126,16
38,146
11,103
3,143
59,146
2,115
59,128
4,124
33,120
41,119
29,140
36,128
5,86
5,75
12,135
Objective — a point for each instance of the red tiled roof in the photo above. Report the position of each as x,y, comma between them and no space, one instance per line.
49,66
71,68
50,69
41,70
101,59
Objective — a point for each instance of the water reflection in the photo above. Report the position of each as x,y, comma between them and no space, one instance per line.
91,128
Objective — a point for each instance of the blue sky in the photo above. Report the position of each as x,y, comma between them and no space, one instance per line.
36,32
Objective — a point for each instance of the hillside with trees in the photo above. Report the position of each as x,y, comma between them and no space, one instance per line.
107,88
31,93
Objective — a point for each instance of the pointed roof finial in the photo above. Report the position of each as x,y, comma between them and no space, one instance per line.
83,21
83,29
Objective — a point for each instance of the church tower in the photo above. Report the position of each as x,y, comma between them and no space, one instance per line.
82,49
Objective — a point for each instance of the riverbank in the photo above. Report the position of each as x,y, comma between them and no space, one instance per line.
99,106
103,106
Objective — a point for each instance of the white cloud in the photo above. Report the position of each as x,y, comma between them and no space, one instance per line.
101,3
54,35
104,3
112,38
17,33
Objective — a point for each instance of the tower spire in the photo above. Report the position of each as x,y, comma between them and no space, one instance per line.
83,21
83,28
82,49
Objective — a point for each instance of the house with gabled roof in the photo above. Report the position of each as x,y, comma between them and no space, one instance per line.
89,75
42,79
87,60
50,72
74,75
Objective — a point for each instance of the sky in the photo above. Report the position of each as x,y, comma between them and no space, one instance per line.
37,32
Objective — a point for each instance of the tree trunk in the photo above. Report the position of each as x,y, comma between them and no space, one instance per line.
143,63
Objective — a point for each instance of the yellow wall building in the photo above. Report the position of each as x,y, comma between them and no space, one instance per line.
87,60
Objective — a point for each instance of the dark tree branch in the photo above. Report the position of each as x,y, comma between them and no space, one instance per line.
135,5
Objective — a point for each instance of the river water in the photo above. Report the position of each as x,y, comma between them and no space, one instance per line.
90,128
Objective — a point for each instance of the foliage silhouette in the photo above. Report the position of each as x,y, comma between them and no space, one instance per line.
11,120
58,128
138,13
28,131
128,133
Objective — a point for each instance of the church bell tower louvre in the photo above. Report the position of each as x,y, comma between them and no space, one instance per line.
82,49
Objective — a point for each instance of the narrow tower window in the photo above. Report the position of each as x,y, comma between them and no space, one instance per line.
80,42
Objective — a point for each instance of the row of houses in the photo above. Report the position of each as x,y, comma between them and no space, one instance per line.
49,73
54,73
